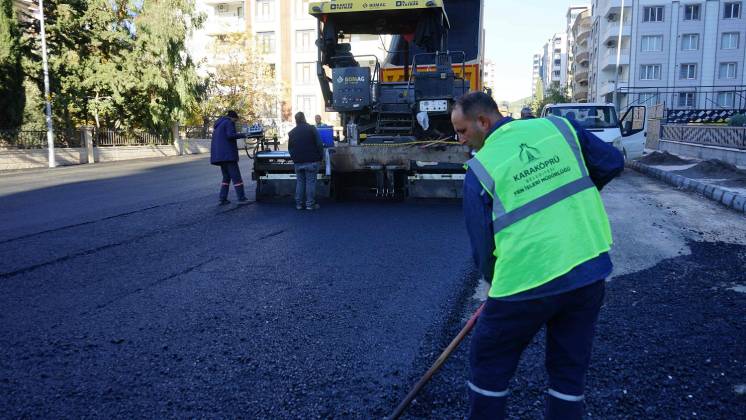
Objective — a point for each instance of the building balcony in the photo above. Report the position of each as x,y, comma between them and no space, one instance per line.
224,25
614,7
581,76
612,32
582,57
608,87
222,1
608,60
582,36
580,93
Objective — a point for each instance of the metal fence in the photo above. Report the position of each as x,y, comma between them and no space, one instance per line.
104,138
196,132
37,139
690,104
732,137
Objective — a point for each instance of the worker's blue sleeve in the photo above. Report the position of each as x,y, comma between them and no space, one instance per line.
604,161
477,209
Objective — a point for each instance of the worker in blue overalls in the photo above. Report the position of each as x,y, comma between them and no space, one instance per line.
540,235
224,153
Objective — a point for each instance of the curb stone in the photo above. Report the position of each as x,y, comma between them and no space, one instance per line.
728,198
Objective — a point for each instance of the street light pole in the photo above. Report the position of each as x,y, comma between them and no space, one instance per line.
47,96
618,54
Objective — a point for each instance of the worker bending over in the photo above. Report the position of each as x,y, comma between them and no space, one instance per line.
540,234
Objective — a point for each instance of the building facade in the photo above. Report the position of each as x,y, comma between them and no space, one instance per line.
685,54
570,18
580,67
285,35
554,62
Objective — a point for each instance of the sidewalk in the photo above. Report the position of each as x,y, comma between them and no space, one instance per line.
715,179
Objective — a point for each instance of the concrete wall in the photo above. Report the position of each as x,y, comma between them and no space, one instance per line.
734,156
13,159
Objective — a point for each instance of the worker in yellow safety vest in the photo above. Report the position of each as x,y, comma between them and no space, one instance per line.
540,235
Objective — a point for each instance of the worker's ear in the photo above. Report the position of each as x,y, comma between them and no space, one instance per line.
484,122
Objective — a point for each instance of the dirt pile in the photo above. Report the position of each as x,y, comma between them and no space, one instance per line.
713,168
663,158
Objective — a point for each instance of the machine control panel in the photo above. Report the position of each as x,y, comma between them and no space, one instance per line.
351,88
434,106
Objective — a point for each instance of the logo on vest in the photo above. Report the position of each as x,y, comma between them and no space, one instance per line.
528,154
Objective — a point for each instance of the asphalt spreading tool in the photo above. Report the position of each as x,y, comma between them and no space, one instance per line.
438,363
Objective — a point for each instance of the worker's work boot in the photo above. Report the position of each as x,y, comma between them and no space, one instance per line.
313,207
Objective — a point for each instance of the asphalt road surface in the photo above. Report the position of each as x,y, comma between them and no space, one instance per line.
126,292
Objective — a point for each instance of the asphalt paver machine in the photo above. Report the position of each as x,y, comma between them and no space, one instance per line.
397,140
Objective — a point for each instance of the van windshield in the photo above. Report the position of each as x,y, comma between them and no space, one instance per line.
587,116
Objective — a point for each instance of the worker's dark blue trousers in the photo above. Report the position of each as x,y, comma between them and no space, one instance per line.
505,328
230,172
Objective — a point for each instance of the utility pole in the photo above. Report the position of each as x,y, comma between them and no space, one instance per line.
47,96
618,54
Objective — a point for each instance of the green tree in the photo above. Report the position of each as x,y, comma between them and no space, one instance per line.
67,47
554,95
12,97
163,84
243,82
117,63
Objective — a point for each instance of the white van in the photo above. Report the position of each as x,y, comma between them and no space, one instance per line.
601,119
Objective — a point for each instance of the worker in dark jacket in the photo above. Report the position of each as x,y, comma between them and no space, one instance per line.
540,235
307,151
224,153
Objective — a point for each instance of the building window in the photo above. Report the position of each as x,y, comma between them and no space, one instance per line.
650,43
303,72
689,42
732,10
304,41
301,8
727,70
688,71
557,62
556,73
265,42
306,104
686,99
650,72
691,12
729,40
726,99
647,98
652,14
264,9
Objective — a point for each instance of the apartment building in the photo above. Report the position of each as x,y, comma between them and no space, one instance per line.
537,74
554,62
285,34
580,47
570,18
687,54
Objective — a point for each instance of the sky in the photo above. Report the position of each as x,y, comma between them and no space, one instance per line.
514,31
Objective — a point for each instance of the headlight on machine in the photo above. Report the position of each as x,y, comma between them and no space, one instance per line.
618,144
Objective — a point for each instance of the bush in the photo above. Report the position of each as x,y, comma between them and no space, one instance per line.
738,120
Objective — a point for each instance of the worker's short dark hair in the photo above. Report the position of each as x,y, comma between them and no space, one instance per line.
231,114
300,118
475,103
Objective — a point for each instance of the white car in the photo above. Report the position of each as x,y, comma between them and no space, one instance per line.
601,119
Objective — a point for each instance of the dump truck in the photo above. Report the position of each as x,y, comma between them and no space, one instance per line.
397,140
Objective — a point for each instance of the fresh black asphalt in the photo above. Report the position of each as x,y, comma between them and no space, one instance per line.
136,296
